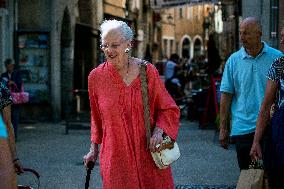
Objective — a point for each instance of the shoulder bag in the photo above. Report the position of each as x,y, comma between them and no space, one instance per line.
170,150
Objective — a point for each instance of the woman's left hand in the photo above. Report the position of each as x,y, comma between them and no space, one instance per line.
155,140
18,166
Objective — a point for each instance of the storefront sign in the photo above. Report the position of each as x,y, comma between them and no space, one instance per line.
158,4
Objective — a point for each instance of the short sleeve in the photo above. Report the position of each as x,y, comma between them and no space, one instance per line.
5,97
227,83
276,70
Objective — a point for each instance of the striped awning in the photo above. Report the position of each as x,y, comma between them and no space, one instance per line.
158,4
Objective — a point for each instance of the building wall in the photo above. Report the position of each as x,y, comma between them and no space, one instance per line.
48,16
62,58
7,20
58,18
189,25
115,8
229,41
261,10
3,37
34,14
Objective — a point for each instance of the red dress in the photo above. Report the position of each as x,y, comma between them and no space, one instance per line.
117,124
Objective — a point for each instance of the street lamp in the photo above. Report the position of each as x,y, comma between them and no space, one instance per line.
170,18
126,10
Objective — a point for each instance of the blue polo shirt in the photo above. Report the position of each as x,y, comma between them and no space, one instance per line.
245,78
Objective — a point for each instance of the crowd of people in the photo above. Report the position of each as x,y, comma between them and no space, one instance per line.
183,75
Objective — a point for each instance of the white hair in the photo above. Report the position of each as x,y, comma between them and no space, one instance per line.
108,25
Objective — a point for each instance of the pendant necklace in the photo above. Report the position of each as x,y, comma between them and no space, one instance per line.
127,72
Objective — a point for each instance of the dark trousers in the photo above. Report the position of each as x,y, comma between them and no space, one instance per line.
15,116
243,145
274,168
276,178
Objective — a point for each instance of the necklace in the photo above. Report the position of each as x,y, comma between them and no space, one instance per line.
125,79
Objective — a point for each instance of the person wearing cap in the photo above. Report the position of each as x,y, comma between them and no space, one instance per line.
14,80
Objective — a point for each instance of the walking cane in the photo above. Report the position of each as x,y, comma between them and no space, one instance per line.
90,167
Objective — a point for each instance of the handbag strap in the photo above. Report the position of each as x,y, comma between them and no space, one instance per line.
144,89
15,88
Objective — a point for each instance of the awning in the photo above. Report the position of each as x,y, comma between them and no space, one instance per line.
158,4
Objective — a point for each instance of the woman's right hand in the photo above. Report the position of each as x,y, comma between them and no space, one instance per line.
91,156
18,166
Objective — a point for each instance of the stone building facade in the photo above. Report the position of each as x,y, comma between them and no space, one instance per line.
183,30
43,37
268,13
55,44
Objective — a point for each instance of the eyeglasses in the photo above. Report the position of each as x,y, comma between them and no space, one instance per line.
113,46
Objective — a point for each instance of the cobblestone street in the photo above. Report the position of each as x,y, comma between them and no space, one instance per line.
58,158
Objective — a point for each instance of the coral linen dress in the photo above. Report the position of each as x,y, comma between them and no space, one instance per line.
117,124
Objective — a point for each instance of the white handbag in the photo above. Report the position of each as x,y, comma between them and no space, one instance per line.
170,150
168,155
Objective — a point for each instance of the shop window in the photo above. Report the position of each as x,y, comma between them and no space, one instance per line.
32,59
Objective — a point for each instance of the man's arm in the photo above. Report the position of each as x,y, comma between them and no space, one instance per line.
225,106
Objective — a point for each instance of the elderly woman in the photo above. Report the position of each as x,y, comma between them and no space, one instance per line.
275,84
117,122
7,142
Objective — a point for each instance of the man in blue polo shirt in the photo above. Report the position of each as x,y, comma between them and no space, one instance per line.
242,88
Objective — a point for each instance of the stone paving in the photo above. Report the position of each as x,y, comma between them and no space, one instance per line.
58,158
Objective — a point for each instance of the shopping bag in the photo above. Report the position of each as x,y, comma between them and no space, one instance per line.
253,178
19,97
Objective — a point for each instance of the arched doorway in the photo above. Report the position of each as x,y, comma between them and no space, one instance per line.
66,65
85,50
197,47
185,51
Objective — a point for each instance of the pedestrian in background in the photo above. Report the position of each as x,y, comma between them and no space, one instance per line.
275,84
242,89
14,80
9,163
117,115
171,65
